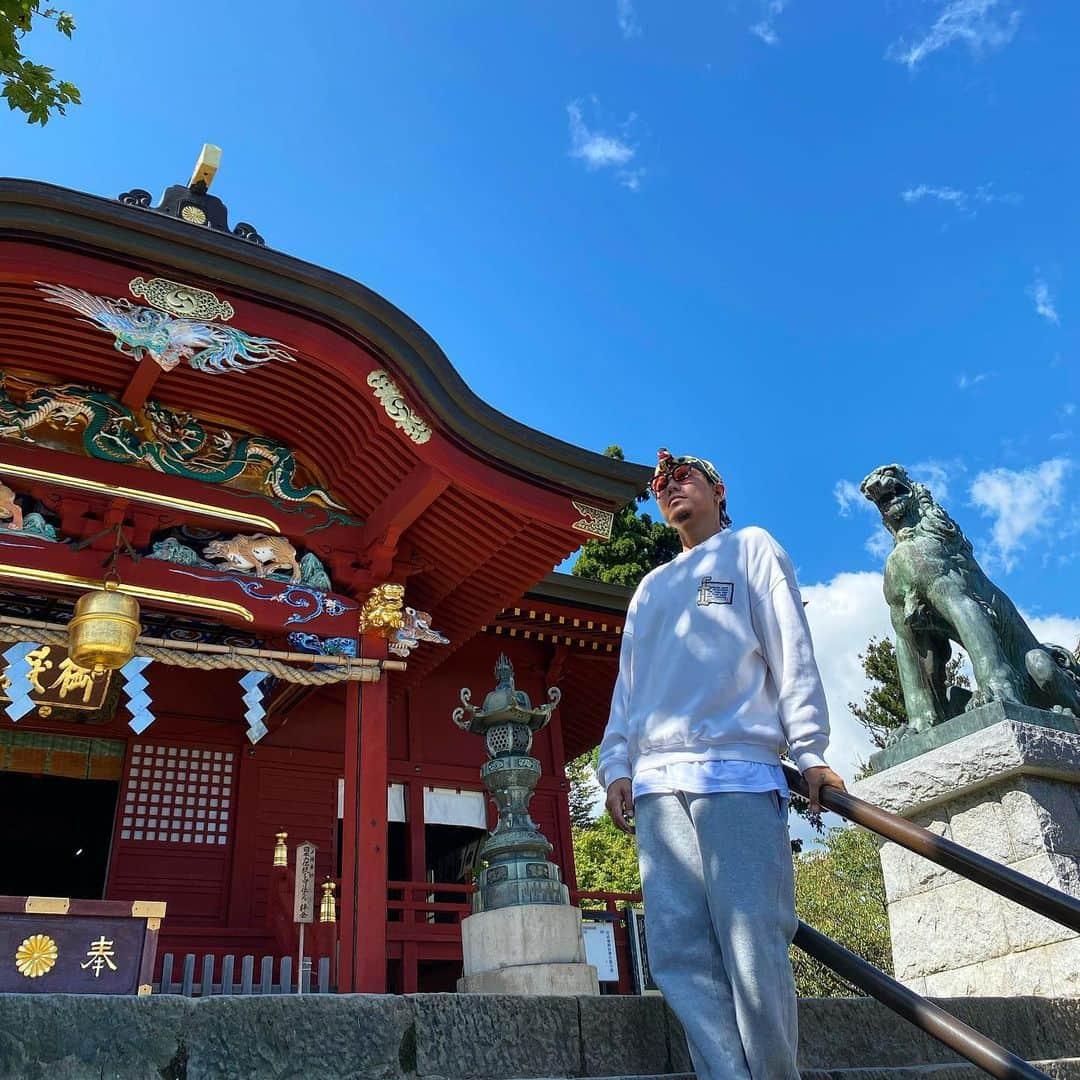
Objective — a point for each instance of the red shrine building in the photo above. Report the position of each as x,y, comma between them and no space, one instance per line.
286,472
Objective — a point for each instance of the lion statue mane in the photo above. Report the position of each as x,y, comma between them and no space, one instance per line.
938,594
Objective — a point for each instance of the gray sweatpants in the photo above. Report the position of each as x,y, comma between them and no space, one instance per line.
717,878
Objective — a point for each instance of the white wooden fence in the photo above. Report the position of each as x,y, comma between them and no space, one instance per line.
225,982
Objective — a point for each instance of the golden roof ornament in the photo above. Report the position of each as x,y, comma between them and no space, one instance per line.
192,202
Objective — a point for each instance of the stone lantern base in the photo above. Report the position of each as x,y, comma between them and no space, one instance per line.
1010,790
526,949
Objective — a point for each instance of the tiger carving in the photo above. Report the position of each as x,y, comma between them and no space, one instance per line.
259,554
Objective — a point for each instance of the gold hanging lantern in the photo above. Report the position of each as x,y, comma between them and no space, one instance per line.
328,908
281,852
102,632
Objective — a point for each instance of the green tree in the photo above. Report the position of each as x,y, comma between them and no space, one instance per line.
605,858
584,788
882,709
28,87
839,890
637,545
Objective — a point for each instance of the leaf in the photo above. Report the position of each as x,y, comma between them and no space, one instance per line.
28,87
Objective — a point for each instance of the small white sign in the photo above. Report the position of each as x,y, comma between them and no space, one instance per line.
600,949
304,894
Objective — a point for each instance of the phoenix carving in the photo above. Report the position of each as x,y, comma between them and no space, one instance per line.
142,331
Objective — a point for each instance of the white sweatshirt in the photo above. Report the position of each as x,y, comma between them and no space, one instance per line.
716,663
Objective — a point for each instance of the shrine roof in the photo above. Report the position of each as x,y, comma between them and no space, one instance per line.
582,621
468,506
583,592
131,236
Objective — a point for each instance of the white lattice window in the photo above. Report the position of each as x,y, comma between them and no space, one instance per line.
178,795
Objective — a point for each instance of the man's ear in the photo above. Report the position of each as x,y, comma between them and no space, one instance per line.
720,490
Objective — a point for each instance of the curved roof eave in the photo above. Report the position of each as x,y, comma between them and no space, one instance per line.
32,210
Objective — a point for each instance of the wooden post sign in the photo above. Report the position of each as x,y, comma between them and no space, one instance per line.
304,895
303,900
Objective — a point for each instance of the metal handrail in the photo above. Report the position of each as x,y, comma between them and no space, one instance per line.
930,1018
1038,897
924,1014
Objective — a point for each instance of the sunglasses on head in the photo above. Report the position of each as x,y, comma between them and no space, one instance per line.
680,474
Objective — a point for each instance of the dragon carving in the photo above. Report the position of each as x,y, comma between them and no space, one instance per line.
937,594
168,441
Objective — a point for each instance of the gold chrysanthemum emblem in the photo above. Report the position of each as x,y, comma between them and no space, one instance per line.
36,955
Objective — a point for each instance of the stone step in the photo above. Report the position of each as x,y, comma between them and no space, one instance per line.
477,1037
1062,1069
838,1034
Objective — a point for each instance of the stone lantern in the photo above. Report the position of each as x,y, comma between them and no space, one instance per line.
518,870
523,937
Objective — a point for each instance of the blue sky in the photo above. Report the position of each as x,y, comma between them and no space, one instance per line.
801,239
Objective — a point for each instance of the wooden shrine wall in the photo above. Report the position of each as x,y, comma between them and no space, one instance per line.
198,806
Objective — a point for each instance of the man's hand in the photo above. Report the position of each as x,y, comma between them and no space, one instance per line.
620,803
816,778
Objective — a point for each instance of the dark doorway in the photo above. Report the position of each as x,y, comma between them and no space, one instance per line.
55,834
452,852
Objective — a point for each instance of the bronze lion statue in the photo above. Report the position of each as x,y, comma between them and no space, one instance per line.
937,594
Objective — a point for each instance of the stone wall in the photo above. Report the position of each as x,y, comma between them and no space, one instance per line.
454,1037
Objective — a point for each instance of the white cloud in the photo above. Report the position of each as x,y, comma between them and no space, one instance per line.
879,543
1054,629
966,382
980,24
627,19
848,495
942,194
1021,502
935,475
603,150
1043,299
963,201
765,28
844,614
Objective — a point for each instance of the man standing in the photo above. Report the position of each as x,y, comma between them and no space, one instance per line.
716,679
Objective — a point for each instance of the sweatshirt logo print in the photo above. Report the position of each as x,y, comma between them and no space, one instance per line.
715,592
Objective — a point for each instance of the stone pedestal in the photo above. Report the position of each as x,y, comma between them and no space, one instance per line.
526,949
1009,789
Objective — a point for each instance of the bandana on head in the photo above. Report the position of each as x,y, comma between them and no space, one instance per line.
666,461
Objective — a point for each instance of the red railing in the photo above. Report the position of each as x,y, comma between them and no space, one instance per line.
423,911
423,902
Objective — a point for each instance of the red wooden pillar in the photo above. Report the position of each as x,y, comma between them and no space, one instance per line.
562,804
363,862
